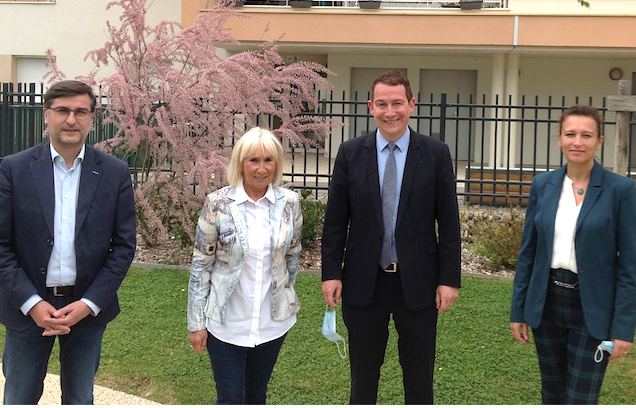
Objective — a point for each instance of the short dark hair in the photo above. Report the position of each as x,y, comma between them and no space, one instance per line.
393,78
582,110
68,88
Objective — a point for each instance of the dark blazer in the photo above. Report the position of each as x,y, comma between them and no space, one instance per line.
427,256
104,236
606,227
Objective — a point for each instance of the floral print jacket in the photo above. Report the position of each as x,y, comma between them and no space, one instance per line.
221,248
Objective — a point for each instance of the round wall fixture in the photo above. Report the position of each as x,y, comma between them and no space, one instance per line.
616,74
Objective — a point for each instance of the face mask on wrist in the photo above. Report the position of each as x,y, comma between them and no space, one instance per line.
606,345
329,331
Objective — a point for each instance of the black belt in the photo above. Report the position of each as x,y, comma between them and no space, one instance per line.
60,291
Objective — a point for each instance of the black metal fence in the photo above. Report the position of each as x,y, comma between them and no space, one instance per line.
497,148
22,121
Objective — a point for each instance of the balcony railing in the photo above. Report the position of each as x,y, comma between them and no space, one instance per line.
447,5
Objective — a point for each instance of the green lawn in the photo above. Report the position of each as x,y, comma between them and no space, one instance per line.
146,351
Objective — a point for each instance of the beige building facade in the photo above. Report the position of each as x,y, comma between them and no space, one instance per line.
515,50
510,50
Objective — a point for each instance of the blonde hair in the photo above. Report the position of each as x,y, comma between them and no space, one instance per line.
246,146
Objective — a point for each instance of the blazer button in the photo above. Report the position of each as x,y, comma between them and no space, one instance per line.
43,270
49,241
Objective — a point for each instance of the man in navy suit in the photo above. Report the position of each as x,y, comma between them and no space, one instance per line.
420,275
67,239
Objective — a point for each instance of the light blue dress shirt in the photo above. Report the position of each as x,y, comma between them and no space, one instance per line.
400,161
62,269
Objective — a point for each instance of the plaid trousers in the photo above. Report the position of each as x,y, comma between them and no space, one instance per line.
569,374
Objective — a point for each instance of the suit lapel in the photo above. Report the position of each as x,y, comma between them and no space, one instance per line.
42,174
238,215
373,177
412,159
276,218
89,179
550,198
593,192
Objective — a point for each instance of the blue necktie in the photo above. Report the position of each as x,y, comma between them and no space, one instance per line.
389,187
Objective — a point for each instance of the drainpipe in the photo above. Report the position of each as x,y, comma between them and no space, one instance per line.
497,92
512,92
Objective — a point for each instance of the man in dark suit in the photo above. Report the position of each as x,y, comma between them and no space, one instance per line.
410,268
67,239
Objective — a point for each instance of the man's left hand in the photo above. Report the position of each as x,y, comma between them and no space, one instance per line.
71,314
445,297
621,349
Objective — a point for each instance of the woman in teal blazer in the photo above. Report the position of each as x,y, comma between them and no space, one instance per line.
575,281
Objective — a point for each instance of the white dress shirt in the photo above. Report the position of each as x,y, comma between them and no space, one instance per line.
248,320
563,251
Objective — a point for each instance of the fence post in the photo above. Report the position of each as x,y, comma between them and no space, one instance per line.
4,123
442,118
31,120
624,103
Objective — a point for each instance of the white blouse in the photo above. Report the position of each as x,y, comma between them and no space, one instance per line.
248,320
563,251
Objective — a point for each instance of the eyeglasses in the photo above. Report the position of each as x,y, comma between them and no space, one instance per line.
80,114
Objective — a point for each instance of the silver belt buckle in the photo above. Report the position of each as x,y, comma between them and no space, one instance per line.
55,292
392,268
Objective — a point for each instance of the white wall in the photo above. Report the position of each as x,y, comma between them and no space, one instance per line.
569,79
556,77
571,7
31,70
71,28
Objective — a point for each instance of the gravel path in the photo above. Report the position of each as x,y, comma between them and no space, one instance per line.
103,395
169,252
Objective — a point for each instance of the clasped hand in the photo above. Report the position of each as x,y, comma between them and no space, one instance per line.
58,322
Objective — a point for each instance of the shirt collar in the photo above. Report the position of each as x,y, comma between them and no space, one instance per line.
241,195
402,143
80,156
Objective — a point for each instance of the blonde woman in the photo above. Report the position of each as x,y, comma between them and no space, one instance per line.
241,298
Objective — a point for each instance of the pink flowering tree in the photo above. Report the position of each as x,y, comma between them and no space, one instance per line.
179,106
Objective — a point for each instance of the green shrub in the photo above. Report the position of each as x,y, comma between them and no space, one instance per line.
180,232
313,215
498,238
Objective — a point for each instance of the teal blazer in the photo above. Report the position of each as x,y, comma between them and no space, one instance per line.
605,245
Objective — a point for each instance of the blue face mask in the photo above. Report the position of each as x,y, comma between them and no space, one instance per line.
329,331
606,345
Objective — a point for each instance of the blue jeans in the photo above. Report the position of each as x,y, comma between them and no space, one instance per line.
26,356
242,373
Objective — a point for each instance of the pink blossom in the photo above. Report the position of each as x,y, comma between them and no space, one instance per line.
179,106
